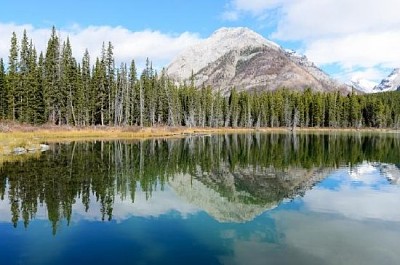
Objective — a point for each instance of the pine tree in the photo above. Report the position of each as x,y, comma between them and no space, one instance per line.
38,99
3,91
234,108
32,94
133,98
22,89
120,95
68,86
110,84
86,96
52,92
12,77
99,85
354,111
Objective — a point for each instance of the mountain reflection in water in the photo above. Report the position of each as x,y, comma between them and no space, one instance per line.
233,178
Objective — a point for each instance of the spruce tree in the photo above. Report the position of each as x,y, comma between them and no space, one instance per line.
32,93
133,95
86,95
68,85
52,93
3,91
12,77
22,89
38,99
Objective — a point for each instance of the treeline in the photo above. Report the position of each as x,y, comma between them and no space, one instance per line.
53,87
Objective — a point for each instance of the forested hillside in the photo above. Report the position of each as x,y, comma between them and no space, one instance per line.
53,87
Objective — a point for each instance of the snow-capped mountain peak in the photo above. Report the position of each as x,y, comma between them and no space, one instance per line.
219,43
363,85
390,83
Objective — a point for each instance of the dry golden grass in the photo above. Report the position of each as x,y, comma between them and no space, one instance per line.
17,135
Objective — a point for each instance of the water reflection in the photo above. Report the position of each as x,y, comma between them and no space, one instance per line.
362,194
234,178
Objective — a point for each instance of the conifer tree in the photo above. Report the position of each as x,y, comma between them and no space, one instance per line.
86,95
12,77
32,93
67,89
38,99
22,89
3,91
133,99
52,92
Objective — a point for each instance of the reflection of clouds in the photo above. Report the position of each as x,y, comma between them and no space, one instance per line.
158,204
357,232
368,199
356,203
370,173
338,241
259,253
365,173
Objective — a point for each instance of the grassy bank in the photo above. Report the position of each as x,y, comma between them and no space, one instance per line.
13,136
26,136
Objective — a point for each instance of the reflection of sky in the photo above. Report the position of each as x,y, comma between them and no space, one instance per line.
351,217
158,204
361,193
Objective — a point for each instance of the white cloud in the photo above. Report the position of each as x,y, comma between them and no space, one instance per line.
349,33
373,73
357,50
305,19
159,47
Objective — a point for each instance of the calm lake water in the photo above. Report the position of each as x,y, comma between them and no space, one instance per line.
224,199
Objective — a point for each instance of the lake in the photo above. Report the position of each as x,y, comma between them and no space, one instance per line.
206,199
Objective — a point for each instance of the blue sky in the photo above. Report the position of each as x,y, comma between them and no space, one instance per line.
347,38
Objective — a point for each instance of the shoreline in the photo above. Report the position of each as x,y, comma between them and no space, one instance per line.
15,136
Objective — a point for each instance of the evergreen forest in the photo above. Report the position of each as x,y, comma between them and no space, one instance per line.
52,87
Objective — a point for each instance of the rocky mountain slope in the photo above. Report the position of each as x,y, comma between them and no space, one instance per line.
241,58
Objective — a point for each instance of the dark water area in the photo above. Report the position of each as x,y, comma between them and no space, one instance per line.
221,199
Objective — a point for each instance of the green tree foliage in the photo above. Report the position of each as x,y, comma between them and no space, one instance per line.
3,91
54,88
12,77
52,92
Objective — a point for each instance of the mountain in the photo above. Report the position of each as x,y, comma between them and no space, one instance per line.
363,85
390,83
241,58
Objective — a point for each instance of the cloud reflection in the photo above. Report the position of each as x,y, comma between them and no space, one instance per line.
361,195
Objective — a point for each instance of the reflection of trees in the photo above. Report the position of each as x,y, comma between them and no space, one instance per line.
259,166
